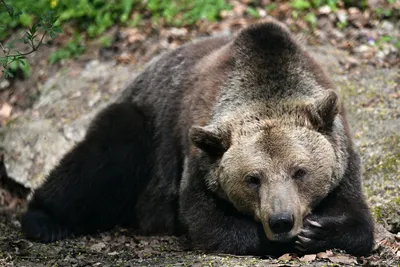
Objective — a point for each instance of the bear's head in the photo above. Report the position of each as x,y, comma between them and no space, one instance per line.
275,145
277,163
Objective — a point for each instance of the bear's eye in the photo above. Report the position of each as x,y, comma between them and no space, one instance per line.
253,181
299,174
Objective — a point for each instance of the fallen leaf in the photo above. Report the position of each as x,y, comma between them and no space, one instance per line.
308,257
98,247
395,95
347,259
5,110
329,253
322,255
285,257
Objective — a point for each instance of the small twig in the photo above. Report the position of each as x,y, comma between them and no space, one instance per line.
34,48
2,48
8,10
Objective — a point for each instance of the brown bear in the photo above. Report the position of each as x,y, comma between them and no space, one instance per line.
241,143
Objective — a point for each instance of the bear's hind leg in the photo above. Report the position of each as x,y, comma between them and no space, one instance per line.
96,184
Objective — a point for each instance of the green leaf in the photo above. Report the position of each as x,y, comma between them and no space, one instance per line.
270,7
52,35
3,61
300,4
33,29
7,74
19,13
252,12
57,29
311,19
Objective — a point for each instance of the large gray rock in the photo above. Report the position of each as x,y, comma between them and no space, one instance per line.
36,140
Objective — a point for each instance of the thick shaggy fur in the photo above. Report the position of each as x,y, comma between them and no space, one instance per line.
151,160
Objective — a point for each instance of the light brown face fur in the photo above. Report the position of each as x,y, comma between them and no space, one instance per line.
258,173
273,153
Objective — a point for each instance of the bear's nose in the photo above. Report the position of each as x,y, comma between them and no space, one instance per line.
281,223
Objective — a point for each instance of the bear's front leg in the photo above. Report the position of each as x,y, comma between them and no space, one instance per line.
341,221
209,229
212,224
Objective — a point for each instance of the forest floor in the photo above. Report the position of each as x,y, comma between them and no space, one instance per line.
44,116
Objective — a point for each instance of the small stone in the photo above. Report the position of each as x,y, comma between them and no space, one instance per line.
387,26
342,16
262,13
179,32
96,98
362,49
323,10
4,84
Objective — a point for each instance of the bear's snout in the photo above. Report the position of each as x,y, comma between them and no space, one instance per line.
281,223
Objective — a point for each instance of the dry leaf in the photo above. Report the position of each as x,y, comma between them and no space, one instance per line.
322,255
309,257
5,110
395,95
285,257
98,247
347,259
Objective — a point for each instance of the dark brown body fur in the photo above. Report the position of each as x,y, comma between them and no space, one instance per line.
138,167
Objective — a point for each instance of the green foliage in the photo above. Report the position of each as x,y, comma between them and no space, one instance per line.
21,14
383,12
14,60
19,65
306,4
300,4
311,19
72,49
252,12
388,39
105,41
93,17
270,7
342,24
185,12
96,16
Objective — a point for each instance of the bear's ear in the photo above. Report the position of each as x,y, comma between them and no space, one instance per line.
323,112
263,44
210,140
269,36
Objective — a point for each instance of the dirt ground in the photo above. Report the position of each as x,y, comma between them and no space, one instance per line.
42,129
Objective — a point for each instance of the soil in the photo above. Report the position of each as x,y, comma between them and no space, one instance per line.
48,120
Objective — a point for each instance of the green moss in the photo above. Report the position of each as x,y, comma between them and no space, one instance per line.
386,165
389,215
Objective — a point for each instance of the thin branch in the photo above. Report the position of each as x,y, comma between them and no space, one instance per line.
2,48
8,10
34,48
